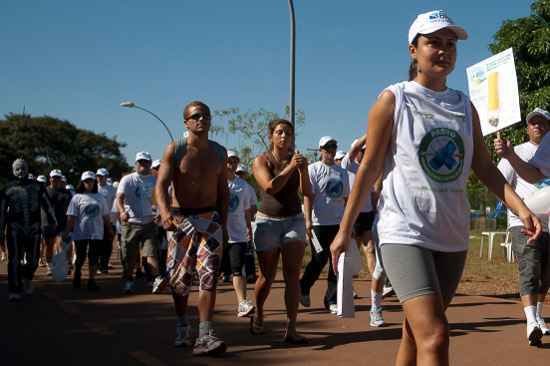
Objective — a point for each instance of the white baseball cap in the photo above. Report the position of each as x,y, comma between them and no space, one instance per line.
87,175
241,168
433,21
538,112
231,154
42,179
102,172
325,140
156,164
143,155
56,173
339,155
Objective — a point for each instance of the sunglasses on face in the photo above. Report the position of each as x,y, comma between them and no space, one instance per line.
199,116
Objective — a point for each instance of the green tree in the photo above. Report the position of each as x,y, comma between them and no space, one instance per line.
47,143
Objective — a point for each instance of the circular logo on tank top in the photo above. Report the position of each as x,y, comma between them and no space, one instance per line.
335,187
441,154
233,202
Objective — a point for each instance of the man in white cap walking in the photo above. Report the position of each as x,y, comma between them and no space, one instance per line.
323,213
249,258
109,193
134,201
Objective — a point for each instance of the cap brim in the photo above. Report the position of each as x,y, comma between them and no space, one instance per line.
459,31
532,115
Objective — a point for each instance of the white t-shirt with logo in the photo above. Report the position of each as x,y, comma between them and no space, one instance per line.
541,159
109,192
239,201
330,185
352,167
426,168
88,209
251,194
523,188
138,197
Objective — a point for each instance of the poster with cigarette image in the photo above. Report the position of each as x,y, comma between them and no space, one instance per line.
493,88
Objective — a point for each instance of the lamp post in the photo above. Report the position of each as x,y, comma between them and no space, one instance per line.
130,104
292,60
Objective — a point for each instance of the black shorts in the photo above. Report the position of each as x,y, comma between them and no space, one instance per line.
236,252
364,222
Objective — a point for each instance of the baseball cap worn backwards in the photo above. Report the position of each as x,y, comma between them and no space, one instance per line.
433,21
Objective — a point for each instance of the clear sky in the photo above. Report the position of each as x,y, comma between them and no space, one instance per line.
78,60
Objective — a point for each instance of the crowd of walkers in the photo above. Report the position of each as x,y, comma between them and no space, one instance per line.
399,192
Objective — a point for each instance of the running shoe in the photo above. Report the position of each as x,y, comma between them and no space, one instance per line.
333,308
542,325
305,301
128,287
376,318
209,345
183,336
534,334
245,308
49,269
28,289
159,284
387,291
14,297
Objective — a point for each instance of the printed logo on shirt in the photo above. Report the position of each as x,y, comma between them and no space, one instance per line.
233,202
91,210
441,154
334,188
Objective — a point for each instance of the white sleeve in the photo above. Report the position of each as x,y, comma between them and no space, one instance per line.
541,160
313,181
73,210
123,185
252,196
507,171
104,206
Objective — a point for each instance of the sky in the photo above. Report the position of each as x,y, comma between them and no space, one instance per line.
78,60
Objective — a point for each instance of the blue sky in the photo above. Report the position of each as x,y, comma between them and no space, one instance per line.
78,60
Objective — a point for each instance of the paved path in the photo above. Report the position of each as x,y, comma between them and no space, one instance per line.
62,326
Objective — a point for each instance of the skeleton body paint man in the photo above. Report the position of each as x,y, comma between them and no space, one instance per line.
21,203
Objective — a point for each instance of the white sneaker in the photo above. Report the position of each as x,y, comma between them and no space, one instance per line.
387,291
14,297
245,308
27,287
542,325
128,287
305,301
49,269
376,318
209,345
333,308
159,284
534,334
183,336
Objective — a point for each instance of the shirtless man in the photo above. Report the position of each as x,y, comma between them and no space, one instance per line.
196,214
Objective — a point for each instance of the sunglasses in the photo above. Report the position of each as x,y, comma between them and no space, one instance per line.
199,116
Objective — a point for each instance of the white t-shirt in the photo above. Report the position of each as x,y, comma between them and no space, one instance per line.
89,209
352,167
138,197
541,159
523,188
426,168
239,202
109,192
251,194
330,185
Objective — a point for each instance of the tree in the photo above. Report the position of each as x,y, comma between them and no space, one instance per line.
47,143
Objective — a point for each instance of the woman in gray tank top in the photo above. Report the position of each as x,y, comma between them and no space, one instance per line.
424,138
279,225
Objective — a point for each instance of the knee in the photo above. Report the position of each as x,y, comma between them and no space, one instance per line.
436,340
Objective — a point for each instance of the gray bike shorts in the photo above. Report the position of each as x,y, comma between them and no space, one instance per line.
415,271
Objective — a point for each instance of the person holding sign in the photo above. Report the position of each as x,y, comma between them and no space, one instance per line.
280,229
538,167
424,139
533,259
323,212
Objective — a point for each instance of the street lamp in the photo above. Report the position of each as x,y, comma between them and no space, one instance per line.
130,104
292,60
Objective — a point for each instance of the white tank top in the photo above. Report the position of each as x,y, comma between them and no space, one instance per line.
423,200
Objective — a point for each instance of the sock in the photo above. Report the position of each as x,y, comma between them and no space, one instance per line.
181,321
539,310
204,328
376,299
530,314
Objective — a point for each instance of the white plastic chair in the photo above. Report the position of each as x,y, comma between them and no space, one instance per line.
507,245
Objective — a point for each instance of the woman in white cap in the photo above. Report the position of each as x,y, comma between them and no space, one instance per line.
424,139
87,219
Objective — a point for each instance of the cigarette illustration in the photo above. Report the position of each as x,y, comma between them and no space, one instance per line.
494,101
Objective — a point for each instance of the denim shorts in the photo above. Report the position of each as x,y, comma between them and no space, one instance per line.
274,232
